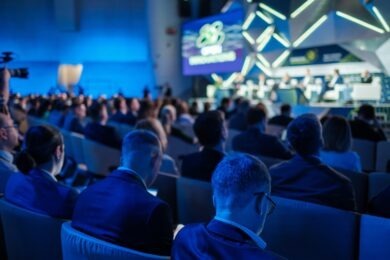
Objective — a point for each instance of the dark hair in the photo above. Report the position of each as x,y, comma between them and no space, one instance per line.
208,128
337,134
285,108
304,134
255,115
367,111
95,110
117,102
39,145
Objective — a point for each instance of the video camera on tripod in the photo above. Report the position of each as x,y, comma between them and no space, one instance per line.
7,57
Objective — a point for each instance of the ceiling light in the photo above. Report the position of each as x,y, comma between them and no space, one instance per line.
248,21
380,17
360,22
281,58
302,8
281,39
310,31
273,11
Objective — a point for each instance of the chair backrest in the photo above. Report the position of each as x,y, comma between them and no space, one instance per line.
302,230
367,152
374,237
382,156
77,245
99,157
377,182
77,147
177,148
360,184
229,142
194,201
30,235
165,184
68,143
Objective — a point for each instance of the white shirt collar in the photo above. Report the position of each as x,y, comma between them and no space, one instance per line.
258,241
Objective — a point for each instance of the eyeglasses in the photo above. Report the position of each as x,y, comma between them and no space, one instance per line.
271,203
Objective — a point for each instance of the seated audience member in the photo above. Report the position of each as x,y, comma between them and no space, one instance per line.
225,107
194,109
134,106
238,120
98,131
168,165
284,118
183,114
121,113
337,145
167,118
365,126
380,205
366,77
8,142
74,121
119,209
211,132
329,85
241,196
305,177
254,141
36,188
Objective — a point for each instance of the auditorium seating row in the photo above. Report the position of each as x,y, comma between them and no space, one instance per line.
295,229
374,156
300,230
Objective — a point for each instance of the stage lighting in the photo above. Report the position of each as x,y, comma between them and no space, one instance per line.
302,8
360,22
264,38
215,77
381,19
248,38
310,31
273,11
263,60
248,21
281,58
264,69
264,17
282,40
246,66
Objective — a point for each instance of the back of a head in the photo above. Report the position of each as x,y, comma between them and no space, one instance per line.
208,128
285,109
139,142
305,135
366,112
153,125
337,134
255,115
236,178
39,146
244,105
95,110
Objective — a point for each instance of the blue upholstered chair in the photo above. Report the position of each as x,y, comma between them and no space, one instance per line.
367,152
374,238
77,245
378,182
29,235
194,201
302,230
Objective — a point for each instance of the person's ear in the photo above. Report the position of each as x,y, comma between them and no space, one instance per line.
58,152
3,134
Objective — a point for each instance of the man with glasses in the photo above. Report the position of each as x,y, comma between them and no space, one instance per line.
8,142
241,196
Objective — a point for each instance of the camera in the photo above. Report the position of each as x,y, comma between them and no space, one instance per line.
15,73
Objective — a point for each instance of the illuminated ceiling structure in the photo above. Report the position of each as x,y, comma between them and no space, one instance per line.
273,28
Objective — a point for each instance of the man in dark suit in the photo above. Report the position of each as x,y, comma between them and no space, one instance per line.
121,115
74,121
255,142
284,118
98,131
241,195
305,177
365,126
120,210
329,85
211,132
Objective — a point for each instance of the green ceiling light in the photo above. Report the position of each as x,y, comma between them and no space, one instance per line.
248,21
264,17
381,19
360,22
248,37
281,59
309,31
281,39
273,11
302,8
